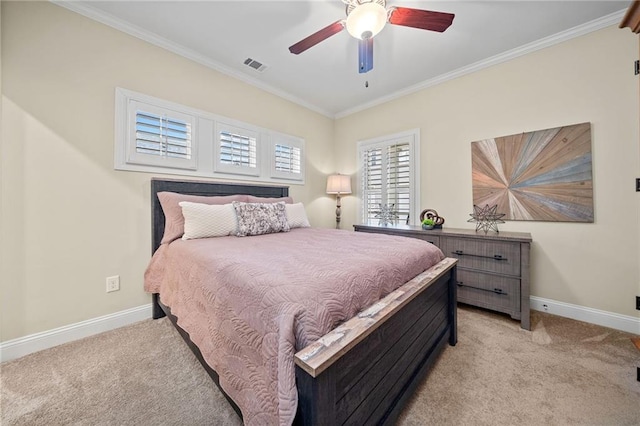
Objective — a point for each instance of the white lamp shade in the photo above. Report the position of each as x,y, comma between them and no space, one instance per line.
339,184
366,20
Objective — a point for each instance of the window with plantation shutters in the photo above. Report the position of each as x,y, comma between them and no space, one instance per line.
236,150
389,176
287,158
372,183
160,136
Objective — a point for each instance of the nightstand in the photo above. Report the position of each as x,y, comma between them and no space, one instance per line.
493,268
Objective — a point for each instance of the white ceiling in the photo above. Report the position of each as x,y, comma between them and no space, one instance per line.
325,78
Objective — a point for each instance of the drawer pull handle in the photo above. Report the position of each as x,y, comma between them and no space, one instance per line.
494,257
495,290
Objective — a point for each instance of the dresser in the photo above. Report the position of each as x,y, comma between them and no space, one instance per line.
493,268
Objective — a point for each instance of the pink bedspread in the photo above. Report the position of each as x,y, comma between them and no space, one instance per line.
250,303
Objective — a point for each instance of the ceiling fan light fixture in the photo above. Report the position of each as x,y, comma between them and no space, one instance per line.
366,20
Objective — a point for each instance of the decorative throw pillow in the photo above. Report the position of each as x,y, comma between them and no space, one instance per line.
297,216
260,218
174,221
254,199
204,220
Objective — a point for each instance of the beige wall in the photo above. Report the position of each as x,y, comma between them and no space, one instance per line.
585,79
68,219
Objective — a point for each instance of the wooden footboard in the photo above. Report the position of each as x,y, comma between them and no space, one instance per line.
364,371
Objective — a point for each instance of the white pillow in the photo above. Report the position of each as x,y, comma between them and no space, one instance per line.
296,216
204,220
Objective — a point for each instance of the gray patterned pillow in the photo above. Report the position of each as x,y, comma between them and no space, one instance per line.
261,218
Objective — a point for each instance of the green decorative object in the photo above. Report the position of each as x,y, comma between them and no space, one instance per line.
428,223
433,215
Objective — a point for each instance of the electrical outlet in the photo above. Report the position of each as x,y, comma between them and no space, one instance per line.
638,303
113,283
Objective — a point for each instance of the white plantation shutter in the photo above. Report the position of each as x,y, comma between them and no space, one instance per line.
287,158
161,137
236,150
388,176
372,182
399,178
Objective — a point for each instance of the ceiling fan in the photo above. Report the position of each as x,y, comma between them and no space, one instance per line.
366,18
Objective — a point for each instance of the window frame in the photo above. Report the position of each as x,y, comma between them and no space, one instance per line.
134,157
205,148
125,155
290,141
242,130
412,138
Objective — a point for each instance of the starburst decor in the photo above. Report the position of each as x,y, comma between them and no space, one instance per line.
486,218
386,215
542,175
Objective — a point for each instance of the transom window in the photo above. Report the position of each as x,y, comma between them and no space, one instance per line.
287,161
162,136
287,158
154,135
237,150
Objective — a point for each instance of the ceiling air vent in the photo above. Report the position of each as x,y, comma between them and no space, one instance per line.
255,64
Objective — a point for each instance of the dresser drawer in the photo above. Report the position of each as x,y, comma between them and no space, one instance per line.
493,256
489,291
433,239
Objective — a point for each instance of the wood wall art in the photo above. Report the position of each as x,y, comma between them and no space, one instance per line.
544,175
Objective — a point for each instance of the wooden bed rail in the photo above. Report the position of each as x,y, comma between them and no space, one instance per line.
321,354
365,370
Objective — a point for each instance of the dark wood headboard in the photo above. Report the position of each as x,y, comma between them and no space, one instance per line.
193,187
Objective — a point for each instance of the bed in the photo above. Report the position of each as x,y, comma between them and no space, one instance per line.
360,371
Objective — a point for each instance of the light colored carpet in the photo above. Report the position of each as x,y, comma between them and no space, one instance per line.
564,372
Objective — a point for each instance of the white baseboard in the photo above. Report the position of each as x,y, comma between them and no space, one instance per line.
12,349
22,346
590,315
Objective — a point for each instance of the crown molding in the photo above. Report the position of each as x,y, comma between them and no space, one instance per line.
580,30
150,37
110,20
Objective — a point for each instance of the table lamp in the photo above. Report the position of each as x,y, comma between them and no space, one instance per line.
339,185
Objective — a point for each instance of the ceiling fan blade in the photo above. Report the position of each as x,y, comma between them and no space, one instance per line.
316,37
365,55
421,19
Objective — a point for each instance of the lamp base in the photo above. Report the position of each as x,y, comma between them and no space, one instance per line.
338,211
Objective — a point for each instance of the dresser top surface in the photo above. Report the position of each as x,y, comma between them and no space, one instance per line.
453,232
